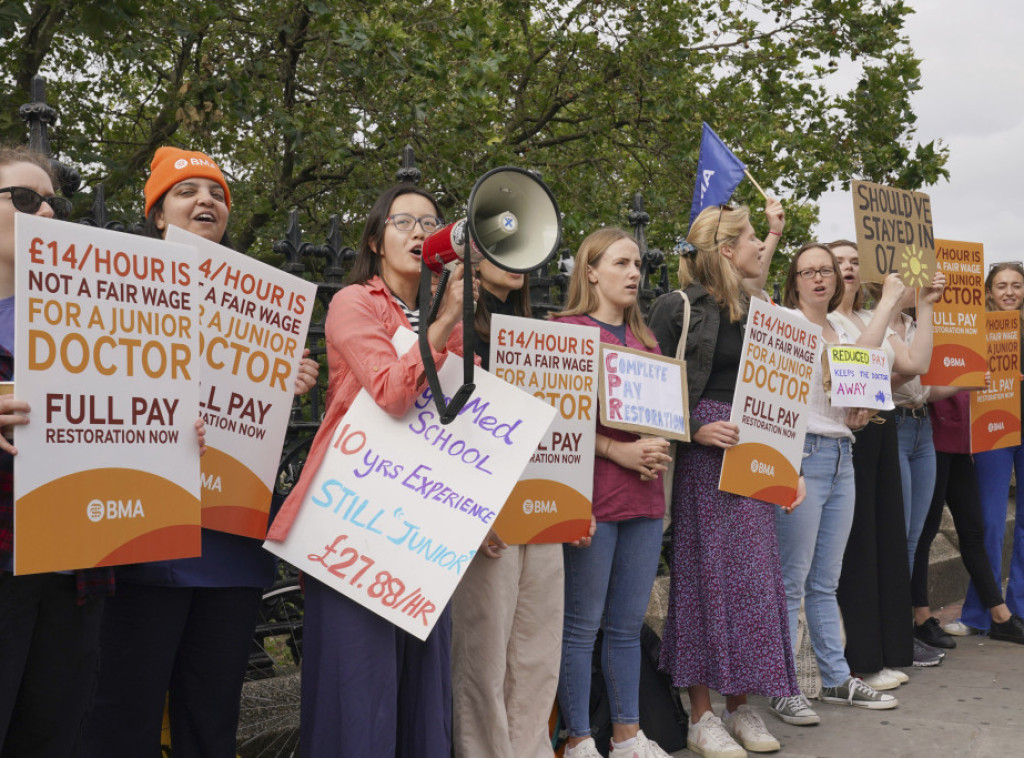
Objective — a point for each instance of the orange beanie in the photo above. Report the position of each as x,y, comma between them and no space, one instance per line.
171,165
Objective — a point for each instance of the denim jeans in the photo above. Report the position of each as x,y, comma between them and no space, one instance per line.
811,543
917,467
607,585
993,468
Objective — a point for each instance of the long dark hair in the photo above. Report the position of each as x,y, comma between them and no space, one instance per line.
150,229
520,300
367,263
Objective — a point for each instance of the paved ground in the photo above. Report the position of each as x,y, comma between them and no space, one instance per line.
972,706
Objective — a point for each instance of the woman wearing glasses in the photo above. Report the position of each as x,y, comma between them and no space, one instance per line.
727,626
1004,291
49,623
368,687
812,540
181,630
874,588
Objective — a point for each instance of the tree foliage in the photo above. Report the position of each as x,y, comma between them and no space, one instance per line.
307,103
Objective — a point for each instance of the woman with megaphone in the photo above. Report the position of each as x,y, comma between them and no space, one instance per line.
607,586
368,687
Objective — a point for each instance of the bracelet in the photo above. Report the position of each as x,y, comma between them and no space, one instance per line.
777,234
607,447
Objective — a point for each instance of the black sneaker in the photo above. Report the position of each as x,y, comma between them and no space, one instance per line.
930,633
926,655
1011,630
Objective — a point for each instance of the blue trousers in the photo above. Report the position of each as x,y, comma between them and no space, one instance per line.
370,688
994,469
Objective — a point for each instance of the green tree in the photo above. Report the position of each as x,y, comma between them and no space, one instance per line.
308,103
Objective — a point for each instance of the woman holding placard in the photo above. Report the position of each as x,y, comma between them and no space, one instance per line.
608,585
727,627
812,540
506,616
182,630
368,687
49,623
1004,291
874,588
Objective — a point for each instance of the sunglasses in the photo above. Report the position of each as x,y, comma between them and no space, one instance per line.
722,207
29,201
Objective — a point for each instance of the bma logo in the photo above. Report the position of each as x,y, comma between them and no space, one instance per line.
953,361
180,163
539,506
97,510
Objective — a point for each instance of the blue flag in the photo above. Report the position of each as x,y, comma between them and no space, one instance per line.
719,172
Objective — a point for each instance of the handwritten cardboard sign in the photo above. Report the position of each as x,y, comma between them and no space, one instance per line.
253,321
958,354
399,506
781,350
859,377
558,364
106,354
894,233
643,393
995,412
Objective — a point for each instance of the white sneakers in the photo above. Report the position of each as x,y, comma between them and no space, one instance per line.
747,728
586,749
642,748
900,676
881,680
710,738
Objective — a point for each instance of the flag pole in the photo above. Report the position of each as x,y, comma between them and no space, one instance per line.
754,182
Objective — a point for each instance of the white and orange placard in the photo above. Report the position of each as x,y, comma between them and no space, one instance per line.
106,355
894,233
643,393
557,363
399,506
253,321
958,353
859,377
780,351
995,412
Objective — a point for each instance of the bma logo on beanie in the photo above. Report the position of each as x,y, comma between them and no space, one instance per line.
180,163
171,165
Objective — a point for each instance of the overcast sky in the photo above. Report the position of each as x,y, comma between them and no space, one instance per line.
972,73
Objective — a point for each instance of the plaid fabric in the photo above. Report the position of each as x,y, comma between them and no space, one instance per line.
90,582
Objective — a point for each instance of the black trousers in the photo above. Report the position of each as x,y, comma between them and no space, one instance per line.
874,586
190,642
957,486
48,653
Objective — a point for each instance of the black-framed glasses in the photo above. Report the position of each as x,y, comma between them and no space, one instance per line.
827,272
722,207
27,200
406,222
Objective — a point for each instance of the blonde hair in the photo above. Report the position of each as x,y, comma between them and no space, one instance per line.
714,227
583,299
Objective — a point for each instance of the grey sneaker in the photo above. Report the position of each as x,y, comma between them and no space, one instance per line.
854,692
795,710
926,655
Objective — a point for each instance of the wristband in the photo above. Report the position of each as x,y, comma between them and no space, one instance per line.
777,234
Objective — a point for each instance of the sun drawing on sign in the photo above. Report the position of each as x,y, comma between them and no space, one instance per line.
914,274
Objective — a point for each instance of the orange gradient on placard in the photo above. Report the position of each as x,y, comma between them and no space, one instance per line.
54,530
569,521
773,481
971,374
1006,432
234,498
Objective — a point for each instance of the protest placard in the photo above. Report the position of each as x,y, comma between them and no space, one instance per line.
894,233
643,393
958,352
995,412
399,506
859,377
253,321
558,364
781,349
106,355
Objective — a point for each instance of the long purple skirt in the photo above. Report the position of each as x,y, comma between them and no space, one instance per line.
727,624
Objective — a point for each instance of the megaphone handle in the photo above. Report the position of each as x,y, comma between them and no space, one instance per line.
435,302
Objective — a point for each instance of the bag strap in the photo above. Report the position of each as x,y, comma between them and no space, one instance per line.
681,345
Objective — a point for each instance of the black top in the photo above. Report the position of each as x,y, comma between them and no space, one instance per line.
725,365
483,347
